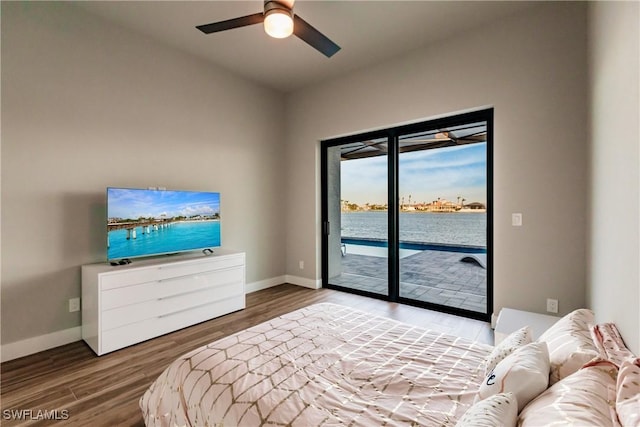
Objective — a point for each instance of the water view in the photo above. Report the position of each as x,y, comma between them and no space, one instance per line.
449,228
178,236
438,178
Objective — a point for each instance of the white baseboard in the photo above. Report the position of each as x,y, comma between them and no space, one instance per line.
275,281
40,343
264,284
303,281
33,345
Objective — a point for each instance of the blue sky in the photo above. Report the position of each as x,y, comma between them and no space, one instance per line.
135,203
425,175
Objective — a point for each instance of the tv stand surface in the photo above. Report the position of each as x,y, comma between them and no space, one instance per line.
127,304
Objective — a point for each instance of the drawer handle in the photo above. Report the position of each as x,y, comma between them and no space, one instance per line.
184,309
171,279
232,262
198,274
181,293
205,288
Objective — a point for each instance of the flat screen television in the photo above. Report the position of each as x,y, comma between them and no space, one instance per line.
143,222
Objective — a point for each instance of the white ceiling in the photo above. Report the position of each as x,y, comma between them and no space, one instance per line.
368,32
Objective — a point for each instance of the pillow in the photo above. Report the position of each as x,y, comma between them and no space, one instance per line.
499,410
585,398
610,344
525,373
628,393
507,346
570,344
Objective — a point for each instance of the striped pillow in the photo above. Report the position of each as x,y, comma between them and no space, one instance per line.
570,343
499,410
585,398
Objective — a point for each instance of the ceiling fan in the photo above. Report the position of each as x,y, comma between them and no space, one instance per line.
279,22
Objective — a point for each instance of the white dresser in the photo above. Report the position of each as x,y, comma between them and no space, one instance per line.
126,304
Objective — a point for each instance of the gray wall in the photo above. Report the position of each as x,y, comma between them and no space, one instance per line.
532,69
86,105
614,245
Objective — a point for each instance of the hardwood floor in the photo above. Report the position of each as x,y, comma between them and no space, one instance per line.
104,391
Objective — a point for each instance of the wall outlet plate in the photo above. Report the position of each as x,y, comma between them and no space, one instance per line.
516,219
552,305
74,305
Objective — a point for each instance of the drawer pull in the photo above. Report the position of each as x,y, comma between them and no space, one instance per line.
173,279
173,313
196,275
237,283
216,265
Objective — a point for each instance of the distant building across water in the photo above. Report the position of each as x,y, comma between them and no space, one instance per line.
440,205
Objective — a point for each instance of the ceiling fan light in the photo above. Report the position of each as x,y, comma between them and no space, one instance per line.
278,23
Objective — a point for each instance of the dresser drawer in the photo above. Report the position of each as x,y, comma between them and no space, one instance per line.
128,277
187,268
164,306
168,287
123,336
135,275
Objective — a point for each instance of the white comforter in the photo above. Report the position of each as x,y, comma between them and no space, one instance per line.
323,365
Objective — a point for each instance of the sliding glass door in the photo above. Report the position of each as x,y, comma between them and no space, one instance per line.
442,184
407,214
357,212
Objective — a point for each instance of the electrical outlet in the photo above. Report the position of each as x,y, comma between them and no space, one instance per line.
516,219
74,305
301,265
552,305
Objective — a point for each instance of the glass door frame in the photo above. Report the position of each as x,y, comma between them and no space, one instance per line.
393,134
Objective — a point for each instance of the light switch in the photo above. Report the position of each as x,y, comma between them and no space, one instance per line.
516,219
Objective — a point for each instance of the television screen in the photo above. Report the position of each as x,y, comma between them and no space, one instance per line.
154,222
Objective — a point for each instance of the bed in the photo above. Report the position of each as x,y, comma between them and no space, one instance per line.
322,365
329,365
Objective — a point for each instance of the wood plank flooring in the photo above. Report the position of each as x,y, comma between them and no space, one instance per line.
104,391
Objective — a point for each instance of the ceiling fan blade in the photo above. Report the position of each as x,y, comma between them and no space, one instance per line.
314,37
229,24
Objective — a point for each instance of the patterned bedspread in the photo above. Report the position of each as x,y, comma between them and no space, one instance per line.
323,365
